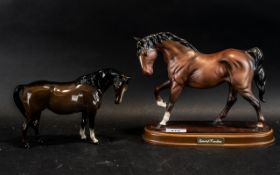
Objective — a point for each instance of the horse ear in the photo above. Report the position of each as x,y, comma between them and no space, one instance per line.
127,78
136,38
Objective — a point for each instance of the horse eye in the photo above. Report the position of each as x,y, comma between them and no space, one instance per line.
118,83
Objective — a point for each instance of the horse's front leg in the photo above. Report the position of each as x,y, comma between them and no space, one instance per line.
91,117
83,126
175,92
157,90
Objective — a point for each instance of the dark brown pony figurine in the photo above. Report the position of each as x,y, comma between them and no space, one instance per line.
187,66
82,95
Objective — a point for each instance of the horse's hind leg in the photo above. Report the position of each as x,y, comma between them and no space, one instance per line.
249,96
83,125
35,126
26,124
232,97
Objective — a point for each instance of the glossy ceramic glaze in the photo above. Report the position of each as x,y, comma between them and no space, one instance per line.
82,95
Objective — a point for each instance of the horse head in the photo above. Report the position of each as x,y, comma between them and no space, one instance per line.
147,55
120,84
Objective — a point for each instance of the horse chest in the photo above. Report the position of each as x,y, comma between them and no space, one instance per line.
177,72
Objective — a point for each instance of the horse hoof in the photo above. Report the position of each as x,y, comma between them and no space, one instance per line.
83,138
95,142
217,122
26,145
159,126
161,103
258,129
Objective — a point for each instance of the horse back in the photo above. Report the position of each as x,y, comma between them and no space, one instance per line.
208,70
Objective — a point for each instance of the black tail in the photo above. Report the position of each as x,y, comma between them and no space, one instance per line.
17,99
259,77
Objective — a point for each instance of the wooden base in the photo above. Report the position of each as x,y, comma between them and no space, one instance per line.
205,134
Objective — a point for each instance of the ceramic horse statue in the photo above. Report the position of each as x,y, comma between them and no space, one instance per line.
81,95
187,66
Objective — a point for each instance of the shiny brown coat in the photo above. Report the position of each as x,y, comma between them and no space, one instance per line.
191,68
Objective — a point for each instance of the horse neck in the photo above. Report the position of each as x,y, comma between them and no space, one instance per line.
104,83
172,49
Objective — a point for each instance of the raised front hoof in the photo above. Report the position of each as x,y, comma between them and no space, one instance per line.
26,145
217,122
259,127
160,126
161,103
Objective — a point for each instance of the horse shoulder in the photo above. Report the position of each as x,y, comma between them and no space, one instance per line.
91,95
181,70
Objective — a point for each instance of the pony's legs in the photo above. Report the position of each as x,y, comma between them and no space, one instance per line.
26,124
83,125
249,96
175,92
157,90
232,97
35,126
32,120
91,117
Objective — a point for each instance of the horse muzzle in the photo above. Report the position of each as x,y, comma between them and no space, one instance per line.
148,72
119,97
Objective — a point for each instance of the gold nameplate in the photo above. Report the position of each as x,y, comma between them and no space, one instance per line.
210,140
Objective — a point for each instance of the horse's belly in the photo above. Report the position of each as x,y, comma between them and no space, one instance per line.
66,104
203,85
205,79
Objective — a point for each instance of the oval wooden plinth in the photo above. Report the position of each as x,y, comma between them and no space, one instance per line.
205,134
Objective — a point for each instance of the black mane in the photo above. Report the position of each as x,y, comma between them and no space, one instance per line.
151,41
101,79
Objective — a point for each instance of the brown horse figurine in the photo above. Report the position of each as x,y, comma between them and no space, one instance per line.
82,95
187,66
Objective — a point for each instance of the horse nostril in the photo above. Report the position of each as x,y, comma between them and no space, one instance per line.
148,73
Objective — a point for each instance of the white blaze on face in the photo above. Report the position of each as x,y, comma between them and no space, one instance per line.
141,61
122,93
24,125
29,94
